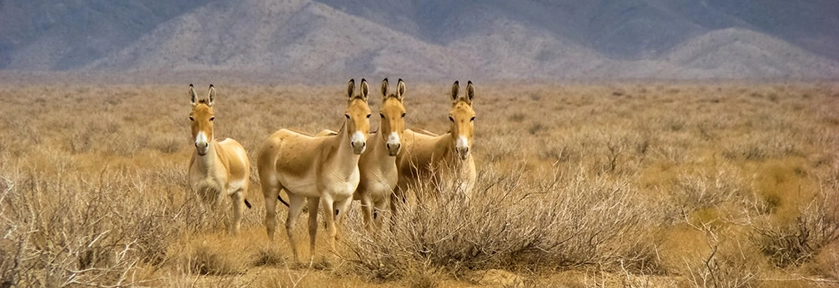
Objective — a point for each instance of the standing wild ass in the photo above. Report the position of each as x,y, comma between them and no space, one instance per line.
322,169
216,168
378,164
443,161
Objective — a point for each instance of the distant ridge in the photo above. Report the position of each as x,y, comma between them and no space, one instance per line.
429,40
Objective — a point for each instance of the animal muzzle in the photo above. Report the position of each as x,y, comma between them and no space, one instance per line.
462,152
202,143
393,145
358,142
462,147
393,148
202,148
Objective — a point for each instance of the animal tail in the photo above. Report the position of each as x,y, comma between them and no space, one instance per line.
247,203
282,201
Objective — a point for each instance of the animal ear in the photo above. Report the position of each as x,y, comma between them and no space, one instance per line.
470,92
400,89
211,95
364,89
384,88
350,87
192,95
455,87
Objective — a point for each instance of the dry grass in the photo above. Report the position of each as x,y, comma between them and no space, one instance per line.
641,185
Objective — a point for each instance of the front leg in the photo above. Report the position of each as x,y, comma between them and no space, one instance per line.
329,217
295,206
367,210
314,202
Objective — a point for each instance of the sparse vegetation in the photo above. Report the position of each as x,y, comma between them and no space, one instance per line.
711,185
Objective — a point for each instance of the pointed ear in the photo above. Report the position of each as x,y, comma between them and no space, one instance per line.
470,92
192,95
455,87
364,89
384,88
350,88
211,95
400,89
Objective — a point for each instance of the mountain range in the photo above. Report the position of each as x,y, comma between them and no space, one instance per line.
491,39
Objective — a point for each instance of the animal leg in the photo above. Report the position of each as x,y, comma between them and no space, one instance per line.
329,218
367,210
237,200
313,224
295,206
270,193
341,209
398,196
378,209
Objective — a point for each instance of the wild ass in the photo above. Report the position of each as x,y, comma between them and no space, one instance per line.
323,170
443,161
216,167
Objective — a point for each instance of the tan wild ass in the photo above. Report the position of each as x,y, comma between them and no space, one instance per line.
442,161
323,170
216,168
378,164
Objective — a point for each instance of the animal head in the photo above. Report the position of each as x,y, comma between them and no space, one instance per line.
462,119
201,119
393,117
358,116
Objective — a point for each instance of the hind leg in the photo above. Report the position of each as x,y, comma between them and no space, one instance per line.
270,191
237,201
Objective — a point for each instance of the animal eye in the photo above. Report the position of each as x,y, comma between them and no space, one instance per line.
451,118
214,118
368,116
191,119
403,114
383,115
347,115
473,119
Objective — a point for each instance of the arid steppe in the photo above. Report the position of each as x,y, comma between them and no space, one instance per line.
615,184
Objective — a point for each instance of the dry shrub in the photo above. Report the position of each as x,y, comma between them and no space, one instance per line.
88,229
707,188
727,263
563,221
797,242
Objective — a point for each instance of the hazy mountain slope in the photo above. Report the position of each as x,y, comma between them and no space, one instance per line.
64,35
619,29
514,50
435,39
738,53
811,24
295,37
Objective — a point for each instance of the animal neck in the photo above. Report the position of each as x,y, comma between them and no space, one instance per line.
377,154
343,155
444,148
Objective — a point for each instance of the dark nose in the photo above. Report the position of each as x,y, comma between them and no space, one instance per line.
355,143
463,150
393,146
